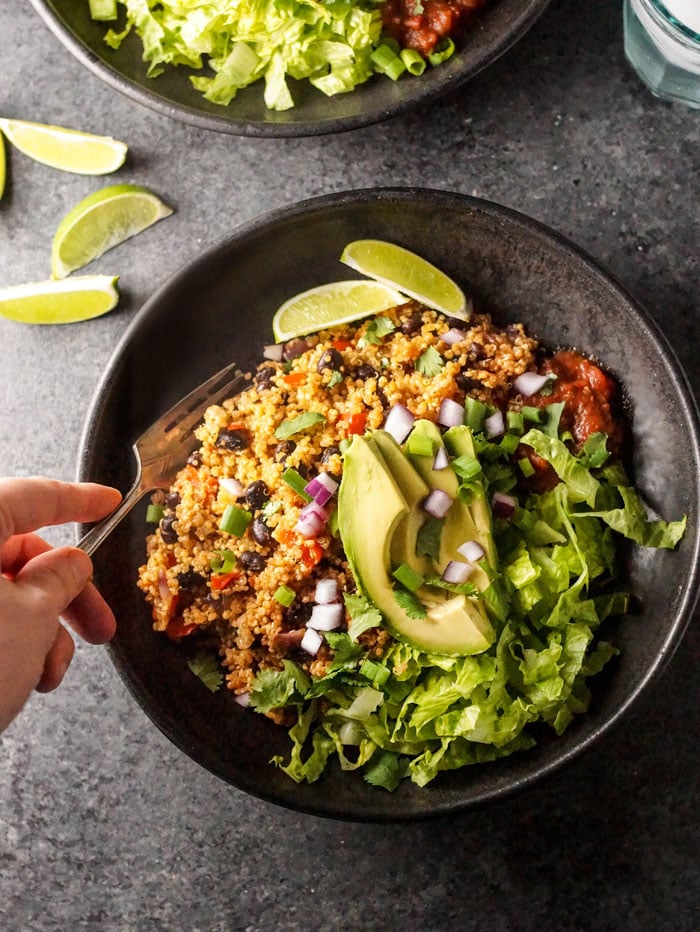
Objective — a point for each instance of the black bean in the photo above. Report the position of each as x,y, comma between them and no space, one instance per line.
365,371
257,494
476,352
172,500
411,324
261,532
263,376
167,531
232,439
283,450
190,580
297,614
466,383
328,454
252,561
195,459
293,349
330,359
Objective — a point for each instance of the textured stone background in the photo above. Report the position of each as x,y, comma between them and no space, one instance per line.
106,826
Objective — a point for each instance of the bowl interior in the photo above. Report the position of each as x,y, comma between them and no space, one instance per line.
502,23
219,309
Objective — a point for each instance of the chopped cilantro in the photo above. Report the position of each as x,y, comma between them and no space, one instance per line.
428,538
273,689
207,668
295,425
335,379
410,603
376,330
430,362
362,613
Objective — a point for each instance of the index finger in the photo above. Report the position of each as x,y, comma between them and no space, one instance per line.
32,503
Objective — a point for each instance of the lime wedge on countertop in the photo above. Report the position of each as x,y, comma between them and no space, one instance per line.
64,302
408,273
66,149
331,305
100,221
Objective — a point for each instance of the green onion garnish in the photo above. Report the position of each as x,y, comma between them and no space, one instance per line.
442,52
515,422
475,412
296,481
235,520
375,672
386,61
466,467
285,596
509,444
408,577
224,562
526,467
414,61
154,513
530,413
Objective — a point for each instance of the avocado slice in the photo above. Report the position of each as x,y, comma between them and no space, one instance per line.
414,490
371,506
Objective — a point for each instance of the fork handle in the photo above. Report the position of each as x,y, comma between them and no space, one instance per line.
96,535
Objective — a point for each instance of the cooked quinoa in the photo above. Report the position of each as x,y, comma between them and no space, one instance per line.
352,382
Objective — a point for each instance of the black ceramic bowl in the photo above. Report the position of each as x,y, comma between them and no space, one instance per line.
219,308
500,26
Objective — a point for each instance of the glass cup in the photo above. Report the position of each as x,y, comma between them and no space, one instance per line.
663,49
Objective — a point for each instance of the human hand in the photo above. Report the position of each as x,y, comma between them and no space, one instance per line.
39,584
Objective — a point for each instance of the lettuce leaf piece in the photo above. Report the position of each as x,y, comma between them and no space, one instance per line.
582,486
632,521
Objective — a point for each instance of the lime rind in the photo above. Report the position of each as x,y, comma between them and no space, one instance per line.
3,165
60,302
65,149
409,273
332,304
101,221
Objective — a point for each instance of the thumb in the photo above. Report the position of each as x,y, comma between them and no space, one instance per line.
49,582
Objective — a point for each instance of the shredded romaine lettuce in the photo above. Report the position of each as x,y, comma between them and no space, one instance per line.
238,42
411,714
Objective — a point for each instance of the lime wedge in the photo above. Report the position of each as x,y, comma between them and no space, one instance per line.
67,149
330,305
404,270
65,302
99,222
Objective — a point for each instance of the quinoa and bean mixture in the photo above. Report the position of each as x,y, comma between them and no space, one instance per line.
251,592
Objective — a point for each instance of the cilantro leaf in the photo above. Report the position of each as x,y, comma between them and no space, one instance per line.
336,378
376,330
273,689
206,667
362,613
594,452
430,362
428,538
466,588
296,424
410,603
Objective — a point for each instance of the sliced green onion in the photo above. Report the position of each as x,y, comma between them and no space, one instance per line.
224,562
466,467
154,513
414,61
285,596
420,445
530,413
386,61
475,413
408,577
235,520
509,444
441,54
374,672
515,422
526,467
103,10
297,482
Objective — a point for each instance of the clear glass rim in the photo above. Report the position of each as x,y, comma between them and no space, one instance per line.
663,11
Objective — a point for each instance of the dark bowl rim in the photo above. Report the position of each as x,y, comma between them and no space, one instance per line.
440,84
534,227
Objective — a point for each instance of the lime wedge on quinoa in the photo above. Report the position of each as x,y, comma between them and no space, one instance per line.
2,166
99,222
64,302
410,274
66,149
331,305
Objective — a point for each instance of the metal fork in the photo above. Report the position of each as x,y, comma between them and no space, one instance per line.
165,446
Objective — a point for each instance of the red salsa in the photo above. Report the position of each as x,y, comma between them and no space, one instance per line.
422,24
591,406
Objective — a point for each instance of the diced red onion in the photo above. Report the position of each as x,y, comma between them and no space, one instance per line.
442,460
451,413
494,425
311,641
503,505
328,481
452,336
318,492
437,503
326,591
233,487
471,550
529,383
457,573
242,699
313,508
309,525
326,617
164,590
399,423
273,352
